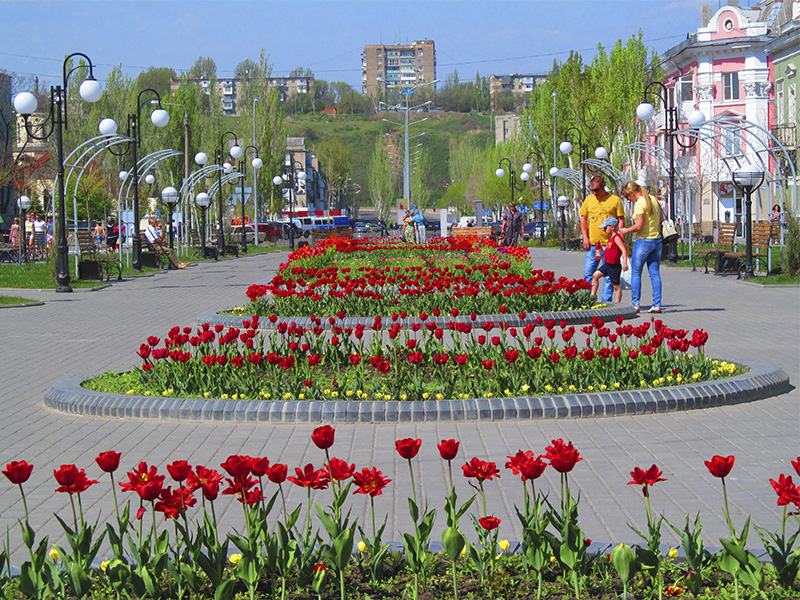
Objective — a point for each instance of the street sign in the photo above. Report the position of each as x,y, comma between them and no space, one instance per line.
537,206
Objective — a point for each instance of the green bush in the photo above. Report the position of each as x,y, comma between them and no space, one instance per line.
792,261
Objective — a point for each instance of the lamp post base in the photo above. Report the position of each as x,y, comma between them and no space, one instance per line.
672,252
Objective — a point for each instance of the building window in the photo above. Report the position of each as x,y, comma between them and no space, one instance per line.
730,86
779,107
792,108
687,95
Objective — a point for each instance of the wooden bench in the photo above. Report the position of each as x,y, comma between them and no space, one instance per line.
727,233
149,256
483,231
91,264
324,234
576,241
8,253
207,252
231,248
762,235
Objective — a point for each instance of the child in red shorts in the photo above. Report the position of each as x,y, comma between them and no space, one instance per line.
615,252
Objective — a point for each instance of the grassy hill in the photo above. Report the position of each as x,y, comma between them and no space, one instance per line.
359,132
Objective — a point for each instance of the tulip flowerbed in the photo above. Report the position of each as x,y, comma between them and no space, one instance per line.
424,362
371,277
167,543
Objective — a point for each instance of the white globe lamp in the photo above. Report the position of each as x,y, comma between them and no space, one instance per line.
108,126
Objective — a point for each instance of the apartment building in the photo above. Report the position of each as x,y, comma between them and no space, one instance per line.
397,64
519,86
228,89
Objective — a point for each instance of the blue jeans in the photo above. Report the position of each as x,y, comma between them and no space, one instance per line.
646,252
590,266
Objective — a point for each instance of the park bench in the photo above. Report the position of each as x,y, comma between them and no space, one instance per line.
231,247
324,234
727,233
762,235
8,253
483,231
207,252
91,264
149,256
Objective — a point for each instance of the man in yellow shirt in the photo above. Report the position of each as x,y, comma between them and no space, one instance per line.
596,208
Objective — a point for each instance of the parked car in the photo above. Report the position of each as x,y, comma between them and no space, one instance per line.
286,229
271,231
249,234
533,229
360,227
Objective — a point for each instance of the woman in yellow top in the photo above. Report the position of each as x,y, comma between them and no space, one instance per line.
647,246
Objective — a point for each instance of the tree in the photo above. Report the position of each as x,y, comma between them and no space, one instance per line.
156,78
421,180
382,180
204,68
246,70
336,162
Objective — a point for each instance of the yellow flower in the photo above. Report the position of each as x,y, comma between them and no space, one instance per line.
104,565
395,555
224,396
334,394
487,395
507,392
327,392
504,545
425,395
235,397
54,554
696,376
235,558
286,396
362,547
572,388
642,383
548,388
673,553
604,387
679,378
616,385
553,559
299,397
165,393
590,388
171,390
403,397
669,377
206,394
713,371
440,396
349,393
130,391
267,396
147,392
464,551
526,387
560,389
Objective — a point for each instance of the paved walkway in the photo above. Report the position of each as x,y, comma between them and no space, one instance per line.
89,332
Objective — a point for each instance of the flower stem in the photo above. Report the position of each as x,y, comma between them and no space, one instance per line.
413,487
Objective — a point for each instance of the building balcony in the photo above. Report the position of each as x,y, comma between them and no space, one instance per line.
786,134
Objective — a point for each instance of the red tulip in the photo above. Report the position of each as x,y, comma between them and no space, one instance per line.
408,447
720,466
323,437
796,465
237,465
72,480
489,523
339,470
527,465
480,470
448,449
277,473
18,472
172,504
179,470
259,466
370,481
787,492
145,481
207,479
563,457
310,478
646,478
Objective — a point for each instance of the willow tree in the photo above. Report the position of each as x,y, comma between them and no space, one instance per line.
381,180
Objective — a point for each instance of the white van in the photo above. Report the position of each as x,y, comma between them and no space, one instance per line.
322,222
305,224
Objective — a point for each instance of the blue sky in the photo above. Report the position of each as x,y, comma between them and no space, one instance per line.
328,36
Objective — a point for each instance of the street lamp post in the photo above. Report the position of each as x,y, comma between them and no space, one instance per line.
235,152
24,203
203,200
25,104
255,177
169,196
583,152
748,177
292,177
645,111
512,183
257,163
527,169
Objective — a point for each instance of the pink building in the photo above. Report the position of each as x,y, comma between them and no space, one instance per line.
722,69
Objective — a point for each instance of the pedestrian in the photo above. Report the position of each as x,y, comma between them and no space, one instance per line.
99,235
14,234
596,208
419,225
647,217
408,228
39,235
615,259
29,229
512,225
112,235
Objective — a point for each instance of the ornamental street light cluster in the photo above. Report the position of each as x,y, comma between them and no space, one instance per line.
291,177
748,177
235,152
256,163
645,111
56,121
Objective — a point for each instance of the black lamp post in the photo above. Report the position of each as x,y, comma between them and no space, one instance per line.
293,176
512,181
257,163
24,203
748,177
645,112
527,169
25,104
169,196
583,152
235,152
203,200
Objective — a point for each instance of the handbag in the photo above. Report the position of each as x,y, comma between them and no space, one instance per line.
668,231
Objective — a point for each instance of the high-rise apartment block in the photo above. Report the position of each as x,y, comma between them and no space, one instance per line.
397,64
227,90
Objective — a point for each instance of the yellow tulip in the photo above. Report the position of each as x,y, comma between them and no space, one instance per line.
54,554
504,545
104,565
235,558
362,547
673,553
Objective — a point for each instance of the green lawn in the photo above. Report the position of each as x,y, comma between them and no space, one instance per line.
4,300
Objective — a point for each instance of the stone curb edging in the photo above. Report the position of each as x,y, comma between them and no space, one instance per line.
23,304
572,317
762,381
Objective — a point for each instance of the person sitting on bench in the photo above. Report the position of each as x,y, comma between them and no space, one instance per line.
154,237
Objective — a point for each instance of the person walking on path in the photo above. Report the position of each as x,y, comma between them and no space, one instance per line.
419,225
512,225
615,259
647,217
408,228
596,208
99,235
